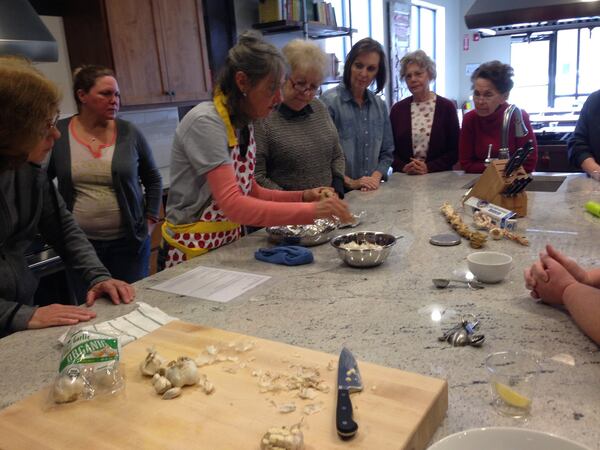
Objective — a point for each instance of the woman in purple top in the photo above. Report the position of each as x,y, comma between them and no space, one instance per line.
424,125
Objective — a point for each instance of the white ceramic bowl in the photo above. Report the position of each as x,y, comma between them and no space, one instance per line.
489,267
504,438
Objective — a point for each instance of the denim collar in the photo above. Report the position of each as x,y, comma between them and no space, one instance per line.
346,94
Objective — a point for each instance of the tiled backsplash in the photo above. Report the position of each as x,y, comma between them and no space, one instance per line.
158,127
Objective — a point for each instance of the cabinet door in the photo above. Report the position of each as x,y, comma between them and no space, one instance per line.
180,23
137,52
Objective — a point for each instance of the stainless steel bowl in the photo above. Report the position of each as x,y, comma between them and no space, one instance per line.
305,235
364,258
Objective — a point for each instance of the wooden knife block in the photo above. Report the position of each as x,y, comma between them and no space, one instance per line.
492,183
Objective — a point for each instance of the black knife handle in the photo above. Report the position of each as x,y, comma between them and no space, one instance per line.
346,427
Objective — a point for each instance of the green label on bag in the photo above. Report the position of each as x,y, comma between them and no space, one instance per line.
90,352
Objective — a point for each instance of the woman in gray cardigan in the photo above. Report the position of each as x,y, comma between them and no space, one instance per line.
29,204
101,164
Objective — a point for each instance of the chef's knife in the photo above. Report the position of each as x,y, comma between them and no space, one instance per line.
514,162
523,155
348,381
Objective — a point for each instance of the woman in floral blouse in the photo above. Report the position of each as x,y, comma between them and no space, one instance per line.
424,125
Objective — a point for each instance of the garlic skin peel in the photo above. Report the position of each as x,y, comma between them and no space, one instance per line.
283,439
182,372
151,364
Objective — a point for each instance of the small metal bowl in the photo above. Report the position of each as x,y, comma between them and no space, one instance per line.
305,235
364,258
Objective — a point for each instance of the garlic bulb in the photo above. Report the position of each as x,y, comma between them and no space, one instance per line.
182,372
68,389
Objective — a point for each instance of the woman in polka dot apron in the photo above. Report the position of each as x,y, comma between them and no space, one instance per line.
425,125
213,191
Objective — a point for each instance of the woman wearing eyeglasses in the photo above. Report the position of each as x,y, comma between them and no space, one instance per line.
29,204
425,125
107,176
298,146
482,128
213,191
361,117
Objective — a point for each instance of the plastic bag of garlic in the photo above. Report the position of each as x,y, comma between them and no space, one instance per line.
89,367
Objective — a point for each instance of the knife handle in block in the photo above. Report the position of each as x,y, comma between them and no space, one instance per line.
346,427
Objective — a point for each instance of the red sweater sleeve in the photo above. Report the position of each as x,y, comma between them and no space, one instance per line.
247,210
274,195
469,161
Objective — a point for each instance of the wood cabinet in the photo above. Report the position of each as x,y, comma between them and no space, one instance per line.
157,48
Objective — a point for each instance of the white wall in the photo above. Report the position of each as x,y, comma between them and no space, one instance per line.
59,72
479,52
453,45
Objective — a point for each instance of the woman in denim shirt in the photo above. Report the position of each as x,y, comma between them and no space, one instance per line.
361,117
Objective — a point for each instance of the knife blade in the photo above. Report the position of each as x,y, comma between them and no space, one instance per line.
349,381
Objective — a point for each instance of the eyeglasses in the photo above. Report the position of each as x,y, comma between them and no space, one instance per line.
50,125
303,87
487,96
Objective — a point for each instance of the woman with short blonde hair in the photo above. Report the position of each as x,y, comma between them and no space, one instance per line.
298,146
305,56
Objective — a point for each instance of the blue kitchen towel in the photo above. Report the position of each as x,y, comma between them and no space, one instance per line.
289,255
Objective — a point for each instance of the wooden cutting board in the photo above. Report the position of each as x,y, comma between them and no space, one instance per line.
396,409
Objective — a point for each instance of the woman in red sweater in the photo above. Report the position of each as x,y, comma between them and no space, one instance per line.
482,127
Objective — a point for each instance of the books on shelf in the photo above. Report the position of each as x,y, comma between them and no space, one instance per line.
316,11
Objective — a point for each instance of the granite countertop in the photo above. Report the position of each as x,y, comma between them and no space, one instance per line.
384,314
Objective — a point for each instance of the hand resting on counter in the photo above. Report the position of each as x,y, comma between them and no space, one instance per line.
118,291
559,280
55,315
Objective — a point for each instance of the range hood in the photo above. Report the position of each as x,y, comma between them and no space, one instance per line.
22,32
506,17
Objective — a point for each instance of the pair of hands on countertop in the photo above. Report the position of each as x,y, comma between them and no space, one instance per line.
366,183
415,167
57,314
559,280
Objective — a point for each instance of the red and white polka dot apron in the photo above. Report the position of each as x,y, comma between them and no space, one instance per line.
212,229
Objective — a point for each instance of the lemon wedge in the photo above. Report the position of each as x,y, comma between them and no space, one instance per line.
511,397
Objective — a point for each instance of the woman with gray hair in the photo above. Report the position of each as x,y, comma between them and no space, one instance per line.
425,125
361,117
298,146
213,191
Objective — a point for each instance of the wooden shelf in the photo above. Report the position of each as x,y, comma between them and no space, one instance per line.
316,30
